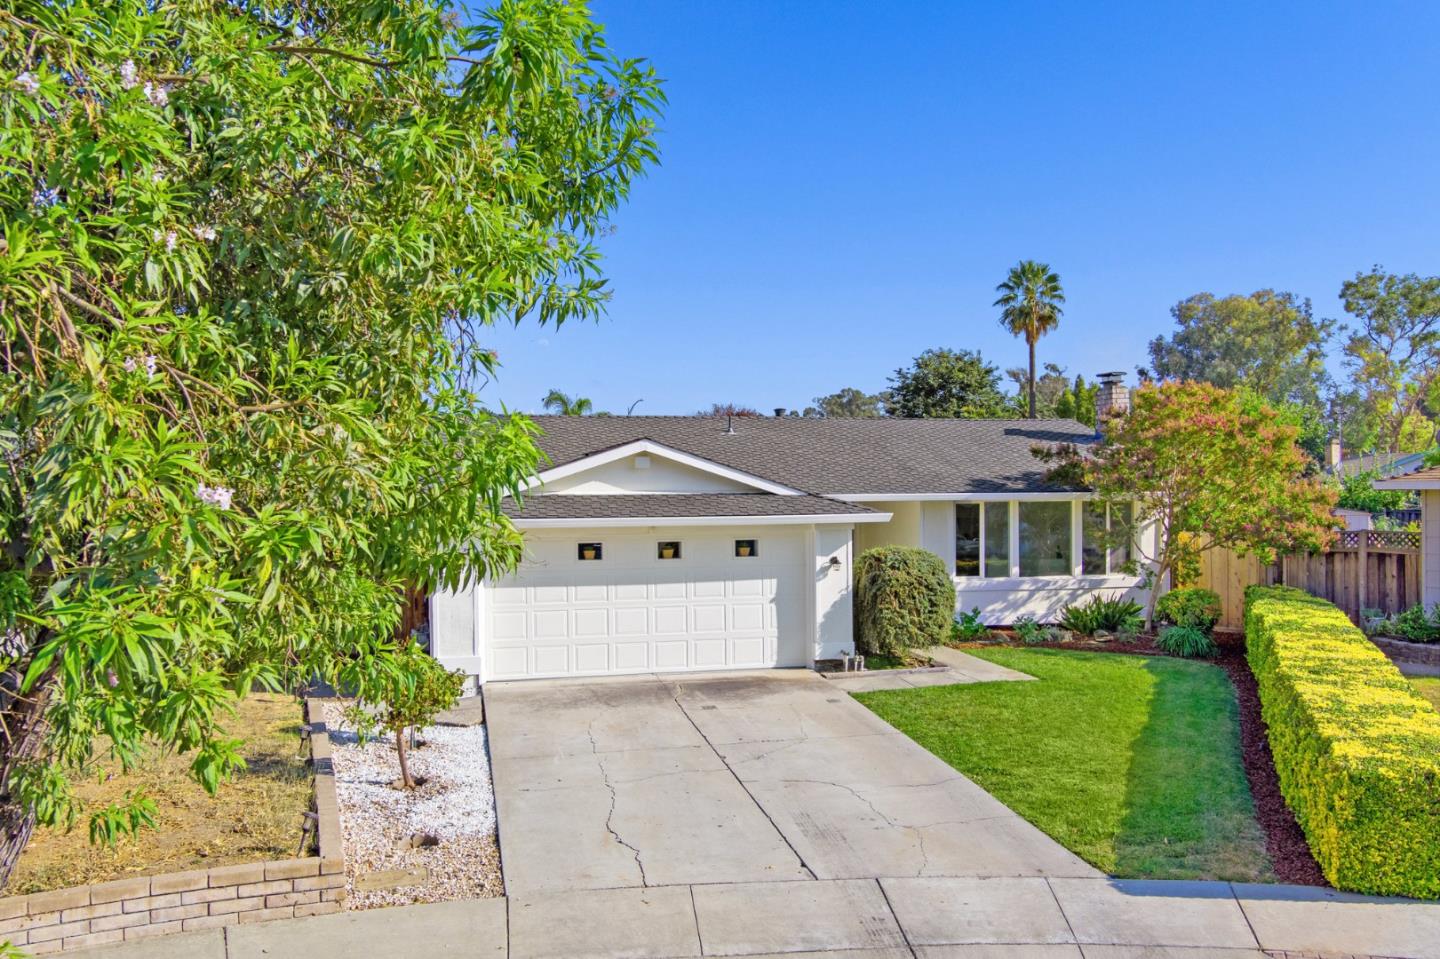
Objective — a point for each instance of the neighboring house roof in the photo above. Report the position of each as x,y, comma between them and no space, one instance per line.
838,456
1422,478
1386,464
681,506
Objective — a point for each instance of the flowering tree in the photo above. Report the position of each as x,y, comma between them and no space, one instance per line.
1208,468
249,255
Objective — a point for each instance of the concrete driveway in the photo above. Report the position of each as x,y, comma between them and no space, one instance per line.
738,778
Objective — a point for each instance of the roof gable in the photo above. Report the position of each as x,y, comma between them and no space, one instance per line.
653,468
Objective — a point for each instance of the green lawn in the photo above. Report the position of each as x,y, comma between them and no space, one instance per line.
1429,687
1131,762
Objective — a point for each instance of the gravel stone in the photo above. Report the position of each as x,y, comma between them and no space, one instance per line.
456,805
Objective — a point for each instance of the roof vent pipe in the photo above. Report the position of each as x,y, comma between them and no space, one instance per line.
729,424
1112,400
780,411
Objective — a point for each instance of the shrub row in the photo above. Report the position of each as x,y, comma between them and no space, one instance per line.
1356,748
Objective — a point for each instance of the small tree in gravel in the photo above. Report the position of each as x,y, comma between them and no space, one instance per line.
904,599
400,692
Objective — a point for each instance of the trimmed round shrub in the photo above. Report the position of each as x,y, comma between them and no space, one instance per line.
904,598
1191,607
1186,641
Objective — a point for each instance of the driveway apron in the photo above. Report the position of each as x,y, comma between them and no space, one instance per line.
733,778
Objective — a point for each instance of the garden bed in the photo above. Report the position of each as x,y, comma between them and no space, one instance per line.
434,843
913,663
257,817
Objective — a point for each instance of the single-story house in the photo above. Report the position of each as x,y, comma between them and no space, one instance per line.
1424,481
658,544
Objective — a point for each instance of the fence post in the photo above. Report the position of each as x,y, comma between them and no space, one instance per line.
1362,574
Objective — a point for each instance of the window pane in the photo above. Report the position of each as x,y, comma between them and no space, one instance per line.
997,539
967,539
1045,539
1122,536
1092,539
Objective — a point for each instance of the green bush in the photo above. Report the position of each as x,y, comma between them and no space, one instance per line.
1098,614
1416,624
969,627
1032,633
1191,606
1356,748
1187,641
904,598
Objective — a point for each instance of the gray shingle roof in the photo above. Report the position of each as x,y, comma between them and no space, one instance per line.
839,456
677,505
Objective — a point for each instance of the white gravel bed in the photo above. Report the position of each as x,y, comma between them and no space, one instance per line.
455,804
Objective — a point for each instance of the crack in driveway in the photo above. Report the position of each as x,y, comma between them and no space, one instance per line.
614,798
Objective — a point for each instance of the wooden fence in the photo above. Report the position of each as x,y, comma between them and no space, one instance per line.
1365,569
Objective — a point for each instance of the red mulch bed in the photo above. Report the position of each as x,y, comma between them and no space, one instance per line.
1289,852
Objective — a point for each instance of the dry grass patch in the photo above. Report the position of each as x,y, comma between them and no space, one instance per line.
256,817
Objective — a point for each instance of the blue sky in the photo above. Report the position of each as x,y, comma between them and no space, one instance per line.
843,184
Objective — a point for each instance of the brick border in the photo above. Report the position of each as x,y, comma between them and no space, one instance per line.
1404,651
127,909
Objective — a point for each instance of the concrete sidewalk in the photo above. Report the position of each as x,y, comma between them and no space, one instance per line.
1003,917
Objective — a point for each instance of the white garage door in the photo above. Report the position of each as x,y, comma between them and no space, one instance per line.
633,611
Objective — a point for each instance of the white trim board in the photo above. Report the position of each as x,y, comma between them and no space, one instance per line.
668,452
809,519
956,497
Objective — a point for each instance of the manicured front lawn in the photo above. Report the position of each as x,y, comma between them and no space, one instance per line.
1131,762
1429,687
256,817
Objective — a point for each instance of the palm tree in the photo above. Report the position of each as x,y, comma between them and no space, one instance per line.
557,402
1030,301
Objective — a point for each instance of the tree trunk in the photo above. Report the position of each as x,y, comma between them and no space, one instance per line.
402,749
22,738
1031,344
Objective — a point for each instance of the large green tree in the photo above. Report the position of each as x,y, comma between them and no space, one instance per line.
1204,468
250,253
1393,352
849,403
1030,306
947,383
1267,342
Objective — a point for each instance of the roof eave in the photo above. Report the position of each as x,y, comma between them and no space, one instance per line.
798,519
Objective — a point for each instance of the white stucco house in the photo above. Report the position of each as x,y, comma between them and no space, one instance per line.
657,544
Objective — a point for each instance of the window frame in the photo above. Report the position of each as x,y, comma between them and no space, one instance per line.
599,553
754,548
660,549
1011,508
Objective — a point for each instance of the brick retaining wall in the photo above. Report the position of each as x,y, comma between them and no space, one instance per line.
128,909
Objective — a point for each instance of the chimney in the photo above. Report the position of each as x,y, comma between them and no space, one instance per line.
1112,400
1332,453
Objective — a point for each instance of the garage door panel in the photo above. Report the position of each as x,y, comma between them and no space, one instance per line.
592,658
505,625
591,622
550,659
749,587
632,621
550,624
708,589
670,619
632,656
631,592
710,653
590,594
707,619
748,652
549,595
672,654
747,616
670,590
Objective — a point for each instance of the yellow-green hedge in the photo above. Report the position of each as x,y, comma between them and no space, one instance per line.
1356,747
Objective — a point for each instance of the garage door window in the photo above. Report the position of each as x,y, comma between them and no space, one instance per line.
745,548
589,552
669,549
